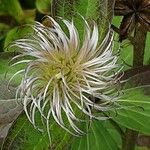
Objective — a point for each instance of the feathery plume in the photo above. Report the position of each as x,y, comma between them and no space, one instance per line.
62,75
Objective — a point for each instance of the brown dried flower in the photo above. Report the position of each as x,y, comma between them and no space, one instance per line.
135,12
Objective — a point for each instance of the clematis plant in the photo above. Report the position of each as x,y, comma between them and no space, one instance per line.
61,74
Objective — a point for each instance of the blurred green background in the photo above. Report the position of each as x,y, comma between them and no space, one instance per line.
14,14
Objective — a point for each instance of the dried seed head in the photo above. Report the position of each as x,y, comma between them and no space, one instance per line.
62,75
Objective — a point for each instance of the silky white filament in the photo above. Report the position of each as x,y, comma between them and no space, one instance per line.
62,76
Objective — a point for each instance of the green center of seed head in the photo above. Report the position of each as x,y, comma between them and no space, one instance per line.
65,68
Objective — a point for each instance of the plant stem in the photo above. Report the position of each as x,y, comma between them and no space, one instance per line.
129,140
139,42
139,46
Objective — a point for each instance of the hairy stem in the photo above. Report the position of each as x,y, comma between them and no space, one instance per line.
139,46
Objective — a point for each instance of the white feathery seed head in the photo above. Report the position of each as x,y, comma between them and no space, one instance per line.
62,76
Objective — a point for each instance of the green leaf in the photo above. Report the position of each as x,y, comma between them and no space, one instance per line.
6,71
43,6
23,136
147,51
9,107
3,66
98,138
17,33
9,110
13,8
5,91
135,114
126,53
98,10
126,50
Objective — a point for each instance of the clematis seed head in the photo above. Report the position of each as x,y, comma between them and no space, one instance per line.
62,76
